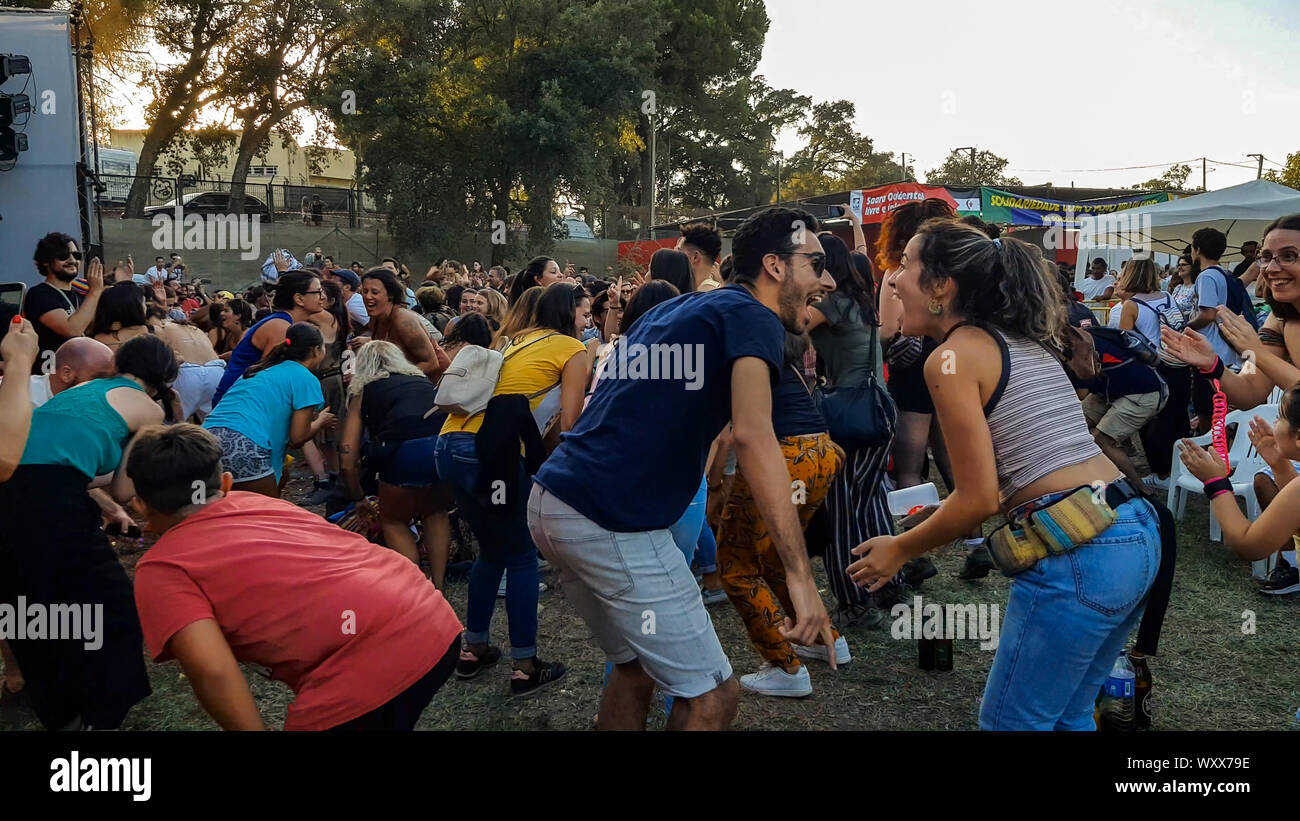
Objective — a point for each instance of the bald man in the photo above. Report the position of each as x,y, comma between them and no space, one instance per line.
78,360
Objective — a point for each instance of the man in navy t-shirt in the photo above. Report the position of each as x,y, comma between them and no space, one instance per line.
691,365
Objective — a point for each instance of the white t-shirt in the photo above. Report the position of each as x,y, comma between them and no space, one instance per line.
40,390
1094,288
357,310
153,276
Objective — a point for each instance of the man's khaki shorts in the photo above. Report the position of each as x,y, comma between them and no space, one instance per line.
1124,417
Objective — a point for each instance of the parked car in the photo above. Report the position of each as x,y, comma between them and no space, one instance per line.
209,202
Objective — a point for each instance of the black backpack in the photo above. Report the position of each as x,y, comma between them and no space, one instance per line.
1132,343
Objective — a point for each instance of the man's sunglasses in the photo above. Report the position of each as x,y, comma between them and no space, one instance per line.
64,256
818,260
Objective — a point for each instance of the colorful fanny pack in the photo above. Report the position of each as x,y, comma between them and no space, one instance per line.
1058,528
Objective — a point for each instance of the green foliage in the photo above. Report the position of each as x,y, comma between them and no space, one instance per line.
492,109
836,158
1174,178
957,170
1289,175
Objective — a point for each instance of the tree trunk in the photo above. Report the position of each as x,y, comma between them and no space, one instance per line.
160,134
647,180
249,140
501,211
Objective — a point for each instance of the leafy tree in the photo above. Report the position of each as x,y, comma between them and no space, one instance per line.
835,157
957,170
488,110
276,68
1175,177
709,105
1289,175
199,31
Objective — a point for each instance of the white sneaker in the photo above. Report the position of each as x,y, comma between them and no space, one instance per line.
773,681
818,651
1155,482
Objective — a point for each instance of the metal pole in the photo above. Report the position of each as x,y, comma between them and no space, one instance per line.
903,163
1203,188
649,232
1260,173
778,177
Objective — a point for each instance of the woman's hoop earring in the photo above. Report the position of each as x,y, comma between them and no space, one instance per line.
935,307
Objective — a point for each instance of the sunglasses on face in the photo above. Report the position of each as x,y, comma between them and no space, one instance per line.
63,257
816,259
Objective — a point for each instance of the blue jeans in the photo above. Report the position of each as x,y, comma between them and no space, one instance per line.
1066,622
458,464
693,535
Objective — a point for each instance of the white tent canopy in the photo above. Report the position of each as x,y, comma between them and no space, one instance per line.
1241,212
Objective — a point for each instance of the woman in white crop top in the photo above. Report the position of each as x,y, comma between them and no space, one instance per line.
1017,434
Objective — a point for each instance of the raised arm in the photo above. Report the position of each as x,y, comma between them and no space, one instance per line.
76,324
19,351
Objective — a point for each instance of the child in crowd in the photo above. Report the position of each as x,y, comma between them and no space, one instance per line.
355,630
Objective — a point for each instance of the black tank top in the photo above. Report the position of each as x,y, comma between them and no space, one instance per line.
393,409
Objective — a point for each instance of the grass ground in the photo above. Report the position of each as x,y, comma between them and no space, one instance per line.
1209,675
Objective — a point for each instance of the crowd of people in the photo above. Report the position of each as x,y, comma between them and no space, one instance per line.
761,405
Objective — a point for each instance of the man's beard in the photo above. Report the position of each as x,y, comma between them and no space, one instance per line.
791,303
64,276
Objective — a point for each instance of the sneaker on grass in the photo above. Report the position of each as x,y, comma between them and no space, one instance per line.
1282,581
544,674
818,651
773,681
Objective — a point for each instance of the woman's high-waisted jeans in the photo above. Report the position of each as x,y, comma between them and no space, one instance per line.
1066,622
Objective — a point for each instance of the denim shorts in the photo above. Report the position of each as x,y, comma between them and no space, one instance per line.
636,594
1066,621
411,464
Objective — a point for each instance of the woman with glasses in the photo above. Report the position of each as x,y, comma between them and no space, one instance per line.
1182,285
298,297
1275,348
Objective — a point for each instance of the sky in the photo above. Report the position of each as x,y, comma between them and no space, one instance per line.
1060,90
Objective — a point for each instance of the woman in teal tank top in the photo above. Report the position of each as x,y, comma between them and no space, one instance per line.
53,550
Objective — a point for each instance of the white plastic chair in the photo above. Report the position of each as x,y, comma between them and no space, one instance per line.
1245,461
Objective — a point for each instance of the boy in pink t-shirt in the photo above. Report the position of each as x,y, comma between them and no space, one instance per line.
355,630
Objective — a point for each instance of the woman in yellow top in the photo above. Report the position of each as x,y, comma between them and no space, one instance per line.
538,358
